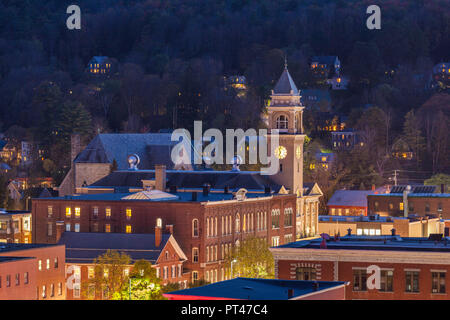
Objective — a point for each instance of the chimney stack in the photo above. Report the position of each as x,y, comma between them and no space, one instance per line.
393,231
75,146
59,230
206,189
290,293
169,228
194,196
158,236
225,190
267,189
349,231
160,177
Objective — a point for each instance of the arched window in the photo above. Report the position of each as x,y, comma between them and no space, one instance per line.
207,227
282,122
230,229
159,222
244,225
207,254
194,254
238,223
222,226
195,228
215,227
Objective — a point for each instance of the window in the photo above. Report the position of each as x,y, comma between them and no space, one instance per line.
77,227
386,280
128,213
215,227
68,227
165,272
49,211
77,212
238,223
60,289
95,212
427,207
275,218
305,273
195,228
95,227
412,281
194,254
207,227
275,241
222,226
68,212
391,206
359,280
40,265
108,213
91,272
288,238
400,206
17,279
107,228
44,291
439,208
438,282
288,217
76,290
282,122
49,229
8,280
194,276
52,290
128,228
56,263
48,264
207,254
25,278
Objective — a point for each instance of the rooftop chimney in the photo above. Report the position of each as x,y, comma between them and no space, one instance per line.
315,286
158,236
349,231
290,293
405,201
267,189
206,187
169,228
59,230
225,189
393,231
160,177
194,196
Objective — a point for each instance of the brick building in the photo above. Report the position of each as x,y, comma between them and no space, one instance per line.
160,249
375,225
17,278
206,225
15,226
44,265
419,200
410,268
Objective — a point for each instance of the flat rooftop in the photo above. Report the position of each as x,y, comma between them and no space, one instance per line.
180,197
391,243
256,289
9,247
12,259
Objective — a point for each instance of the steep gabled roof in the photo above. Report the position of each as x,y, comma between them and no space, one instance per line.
285,84
351,198
86,246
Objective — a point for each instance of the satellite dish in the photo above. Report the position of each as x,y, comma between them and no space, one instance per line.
133,161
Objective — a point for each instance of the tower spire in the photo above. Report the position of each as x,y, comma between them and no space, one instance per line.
285,62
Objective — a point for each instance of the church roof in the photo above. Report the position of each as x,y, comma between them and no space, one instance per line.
285,84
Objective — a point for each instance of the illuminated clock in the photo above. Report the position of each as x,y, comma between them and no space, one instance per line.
298,152
281,152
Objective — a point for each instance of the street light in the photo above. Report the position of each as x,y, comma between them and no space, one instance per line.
234,261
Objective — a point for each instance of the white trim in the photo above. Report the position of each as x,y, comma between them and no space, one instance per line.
437,270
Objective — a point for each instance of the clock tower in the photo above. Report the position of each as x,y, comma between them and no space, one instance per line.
285,113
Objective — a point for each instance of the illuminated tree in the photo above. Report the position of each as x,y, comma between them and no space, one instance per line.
252,259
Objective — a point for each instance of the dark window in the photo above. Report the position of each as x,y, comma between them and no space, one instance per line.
25,278
17,279
56,263
359,280
438,282
412,281
8,280
386,280
305,273
427,207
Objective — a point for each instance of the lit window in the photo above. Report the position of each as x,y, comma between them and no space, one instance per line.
77,212
108,213
107,228
128,213
77,227
194,254
68,227
359,232
48,264
128,228
401,205
91,272
49,211
68,212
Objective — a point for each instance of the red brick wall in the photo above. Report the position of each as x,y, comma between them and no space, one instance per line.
46,276
23,291
418,204
286,270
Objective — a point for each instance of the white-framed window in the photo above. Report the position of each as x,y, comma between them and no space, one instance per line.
76,290
282,122
275,241
194,255
195,227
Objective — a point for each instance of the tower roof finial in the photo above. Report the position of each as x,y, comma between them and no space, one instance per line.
285,62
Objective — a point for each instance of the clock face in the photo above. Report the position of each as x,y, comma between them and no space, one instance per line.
298,152
281,152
